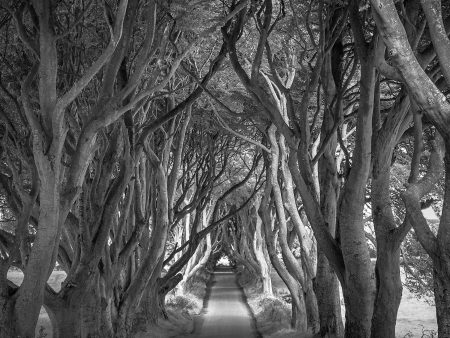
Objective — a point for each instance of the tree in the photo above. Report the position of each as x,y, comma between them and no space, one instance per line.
432,102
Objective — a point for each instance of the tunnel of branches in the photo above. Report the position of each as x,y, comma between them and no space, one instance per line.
142,141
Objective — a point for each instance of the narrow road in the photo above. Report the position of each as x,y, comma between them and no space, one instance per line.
226,314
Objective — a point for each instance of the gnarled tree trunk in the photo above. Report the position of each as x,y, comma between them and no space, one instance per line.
42,259
389,236
80,310
441,285
6,303
358,285
326,284
258,247
299,314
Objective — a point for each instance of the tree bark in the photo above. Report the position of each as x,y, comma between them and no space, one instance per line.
358,285
326,283
441,259
442,300
151,265
6,303
204,259
151,308
80,310
389,236
437,109
300,318
328,299
258,245
389,287
41,260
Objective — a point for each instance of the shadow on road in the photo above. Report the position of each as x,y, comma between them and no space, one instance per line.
225,313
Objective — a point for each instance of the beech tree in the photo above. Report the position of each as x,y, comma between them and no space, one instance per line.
433,104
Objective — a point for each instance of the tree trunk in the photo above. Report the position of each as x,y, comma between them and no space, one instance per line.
80,312
6,314
441,258
246,248
300,318
328,299
389,288
442,300
79,319
300,321
388,235
204,259
326,283
151,265
6,303
151,307
358,284
41,261
258,245
312,308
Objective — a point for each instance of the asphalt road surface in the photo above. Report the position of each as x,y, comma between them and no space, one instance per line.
226,314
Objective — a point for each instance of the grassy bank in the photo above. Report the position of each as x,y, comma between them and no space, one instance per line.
182,307
416,317
272,313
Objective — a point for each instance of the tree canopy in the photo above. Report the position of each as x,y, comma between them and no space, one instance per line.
142,140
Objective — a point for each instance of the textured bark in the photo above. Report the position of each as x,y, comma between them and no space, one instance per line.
197,255
299,314
6,303
389,236
437,109
316,218
151,309
358,285
41,260
82,317
80,309
442,300
389,287
299,319
246,244
441,259
328,299
435,246
151,265
424,92
312,307
294,267
190,264
289,258
48,138
326,283
204,259
235,245
258,247
6,315
441,43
